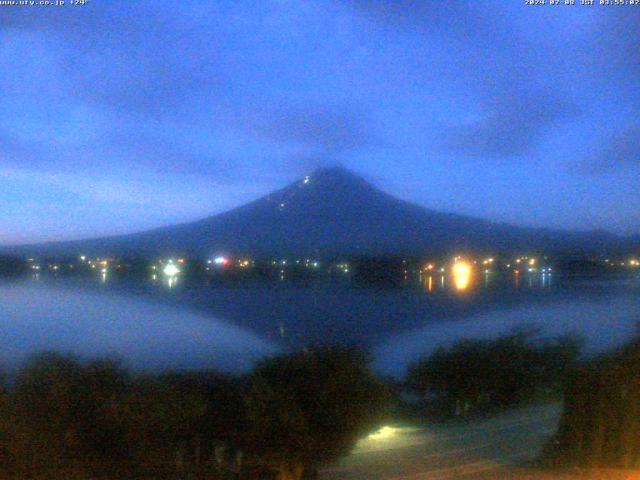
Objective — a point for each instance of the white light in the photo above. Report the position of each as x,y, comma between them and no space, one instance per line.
220,260
306,180
171,270
385,433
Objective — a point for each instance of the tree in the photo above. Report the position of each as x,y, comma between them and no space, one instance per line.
309,408
4,423
175,421
600,423
477,375
61,415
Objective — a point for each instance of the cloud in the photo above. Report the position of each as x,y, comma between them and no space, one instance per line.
511,126
133,59
620,152
419,14
125,154
250,94
331,129
619,34
156,80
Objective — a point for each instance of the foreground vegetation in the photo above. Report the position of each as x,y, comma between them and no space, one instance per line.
67,419
64,418
481,376
600,425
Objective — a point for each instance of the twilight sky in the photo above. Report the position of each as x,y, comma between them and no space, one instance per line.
119,116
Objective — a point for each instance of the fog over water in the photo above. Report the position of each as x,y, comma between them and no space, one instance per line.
153,335
603,323
142,334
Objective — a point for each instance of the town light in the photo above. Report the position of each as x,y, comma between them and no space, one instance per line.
171,270
221,261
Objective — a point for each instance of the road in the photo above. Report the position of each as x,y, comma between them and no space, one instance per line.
485,449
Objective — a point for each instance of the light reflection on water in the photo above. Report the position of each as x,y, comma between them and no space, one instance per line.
462,274
463,281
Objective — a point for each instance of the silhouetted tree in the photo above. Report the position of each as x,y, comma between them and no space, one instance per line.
64,418
488,374
309,408
178,420
4,423
600,424
61,415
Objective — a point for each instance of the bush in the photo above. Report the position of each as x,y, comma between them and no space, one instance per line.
64,418
600,424
475,376
309,408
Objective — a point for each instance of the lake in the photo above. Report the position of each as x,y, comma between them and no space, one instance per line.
229,325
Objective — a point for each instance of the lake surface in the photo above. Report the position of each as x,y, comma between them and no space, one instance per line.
145,335
228,326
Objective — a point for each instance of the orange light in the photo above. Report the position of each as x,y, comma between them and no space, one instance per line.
461,275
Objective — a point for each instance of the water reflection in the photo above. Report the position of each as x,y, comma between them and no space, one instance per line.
460,279
293,313
461,275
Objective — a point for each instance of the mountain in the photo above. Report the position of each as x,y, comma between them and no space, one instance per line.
333,211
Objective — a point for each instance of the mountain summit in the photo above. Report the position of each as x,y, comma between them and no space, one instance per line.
334,211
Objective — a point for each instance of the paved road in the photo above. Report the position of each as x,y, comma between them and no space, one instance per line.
487,449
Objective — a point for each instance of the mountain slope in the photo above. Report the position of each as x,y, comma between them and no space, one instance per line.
329,212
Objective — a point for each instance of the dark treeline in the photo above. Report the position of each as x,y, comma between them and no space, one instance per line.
11,266
62,418
481,376
600,425
600,422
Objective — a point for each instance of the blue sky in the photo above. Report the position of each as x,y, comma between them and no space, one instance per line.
120,116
